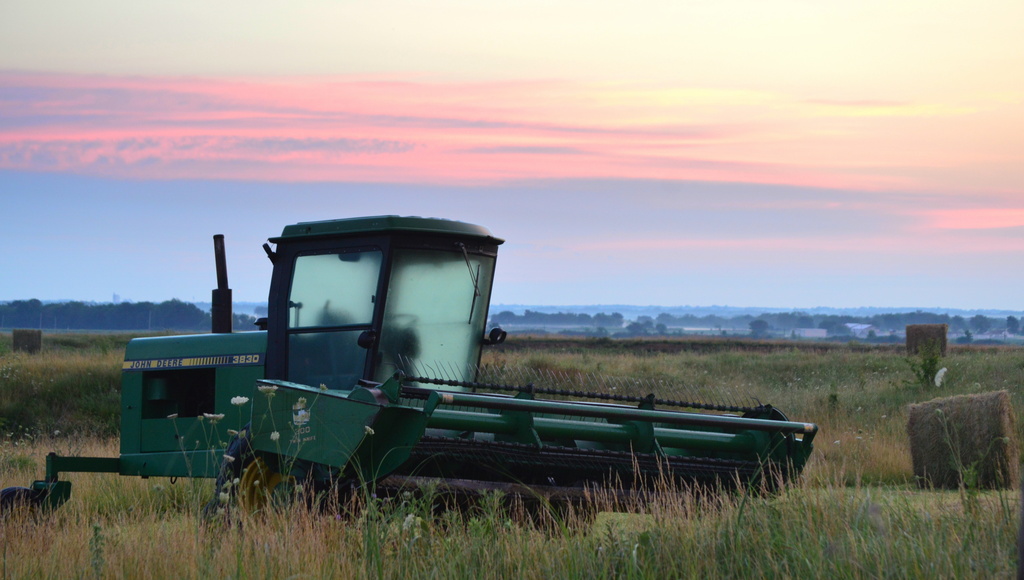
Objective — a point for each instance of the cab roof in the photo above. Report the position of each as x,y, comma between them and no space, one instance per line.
384,225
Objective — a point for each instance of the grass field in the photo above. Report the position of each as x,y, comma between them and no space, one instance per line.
856,513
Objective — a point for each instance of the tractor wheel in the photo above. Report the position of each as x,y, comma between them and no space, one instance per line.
17,500
249,478
261,486
237,454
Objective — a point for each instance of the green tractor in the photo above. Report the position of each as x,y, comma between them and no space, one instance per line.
365,373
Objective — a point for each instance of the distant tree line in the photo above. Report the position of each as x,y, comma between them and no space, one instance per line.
613,320
836,324
763,325
169,315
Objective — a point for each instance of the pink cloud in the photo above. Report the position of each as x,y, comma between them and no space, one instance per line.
376,129
977,218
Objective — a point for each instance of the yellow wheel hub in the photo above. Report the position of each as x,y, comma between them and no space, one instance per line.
258,485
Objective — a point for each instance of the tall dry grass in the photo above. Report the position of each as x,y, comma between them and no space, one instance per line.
125,527
63,390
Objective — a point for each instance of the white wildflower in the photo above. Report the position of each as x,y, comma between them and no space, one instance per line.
213,417
232,432
939,375
835,442
57,432
302,401
239,400
412,523
275,436
323,387
224,497
172,416
229,458
266,389
298,488
368,430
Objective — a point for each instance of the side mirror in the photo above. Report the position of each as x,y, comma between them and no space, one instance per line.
495,336
367,339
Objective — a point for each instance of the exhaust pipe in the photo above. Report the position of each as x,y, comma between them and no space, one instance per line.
220,309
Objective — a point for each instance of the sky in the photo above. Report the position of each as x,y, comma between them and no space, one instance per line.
745,153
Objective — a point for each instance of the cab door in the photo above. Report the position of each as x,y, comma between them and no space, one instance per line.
331,302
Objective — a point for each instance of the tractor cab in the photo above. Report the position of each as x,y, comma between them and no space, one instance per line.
358,299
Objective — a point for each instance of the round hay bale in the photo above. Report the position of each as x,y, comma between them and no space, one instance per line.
921,336
966,440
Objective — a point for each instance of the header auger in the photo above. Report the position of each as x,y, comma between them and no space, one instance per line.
364,373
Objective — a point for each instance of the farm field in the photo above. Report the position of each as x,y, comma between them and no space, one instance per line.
856,512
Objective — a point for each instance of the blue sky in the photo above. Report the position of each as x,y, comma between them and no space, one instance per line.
783,154
568,241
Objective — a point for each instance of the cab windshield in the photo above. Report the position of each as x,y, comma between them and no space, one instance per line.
435,314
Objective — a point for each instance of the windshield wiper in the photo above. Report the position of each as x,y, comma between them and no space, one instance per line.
474,277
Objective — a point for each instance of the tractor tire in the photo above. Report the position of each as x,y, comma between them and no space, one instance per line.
236,457
247,479
17,499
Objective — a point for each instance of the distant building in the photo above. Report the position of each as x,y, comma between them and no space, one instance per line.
810,332
859,330
995,335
